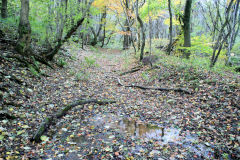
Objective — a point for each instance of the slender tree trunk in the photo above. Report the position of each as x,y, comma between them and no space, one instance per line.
221,38
64,6
150,29
142,30
97,33
73,29
104,26
24,29
95,36
49,26
4,9
170,28
139,40
126,37
104,34
186,27
233,31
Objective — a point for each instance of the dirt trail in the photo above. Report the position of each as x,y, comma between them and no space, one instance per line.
143,124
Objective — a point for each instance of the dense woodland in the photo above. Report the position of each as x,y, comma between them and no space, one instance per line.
120,79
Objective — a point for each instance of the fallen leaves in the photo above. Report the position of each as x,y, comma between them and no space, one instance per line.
211,114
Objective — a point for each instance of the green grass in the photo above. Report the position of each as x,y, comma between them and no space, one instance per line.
202,63
82,76
61,62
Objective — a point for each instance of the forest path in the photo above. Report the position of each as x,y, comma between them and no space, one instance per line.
142,124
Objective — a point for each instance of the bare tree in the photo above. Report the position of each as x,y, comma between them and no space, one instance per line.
233,29
222,36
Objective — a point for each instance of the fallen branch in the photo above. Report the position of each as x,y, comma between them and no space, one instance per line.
12,78
51,119
135,69
5,115
152,88
12,104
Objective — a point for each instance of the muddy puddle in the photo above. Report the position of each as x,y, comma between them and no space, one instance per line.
136,129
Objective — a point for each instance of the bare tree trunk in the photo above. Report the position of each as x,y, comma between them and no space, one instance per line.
139,40
24,29
97,33
142,30
50,55
104,27
150,29
186,27
4,9
221,38
62,16
126,37
233,31
170,28
49,26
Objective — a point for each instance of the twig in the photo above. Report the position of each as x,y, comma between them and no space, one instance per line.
135,69
152,88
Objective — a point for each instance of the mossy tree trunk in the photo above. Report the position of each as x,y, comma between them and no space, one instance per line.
4,9
186,28
24,29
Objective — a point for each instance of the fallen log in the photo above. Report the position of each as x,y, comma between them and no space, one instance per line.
51,119
135,69
152,88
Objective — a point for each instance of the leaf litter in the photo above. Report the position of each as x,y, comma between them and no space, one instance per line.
143,124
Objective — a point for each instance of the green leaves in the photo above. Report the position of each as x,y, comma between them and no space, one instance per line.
1,137
44,138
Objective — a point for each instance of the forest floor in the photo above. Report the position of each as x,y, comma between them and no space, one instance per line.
142,124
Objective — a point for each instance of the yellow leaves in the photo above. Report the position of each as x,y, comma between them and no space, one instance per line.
228,1
100,3
175,22
124,33
110,26
116,8
177,2
113,5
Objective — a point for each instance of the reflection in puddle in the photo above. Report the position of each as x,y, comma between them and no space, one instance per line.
137,129
147,132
